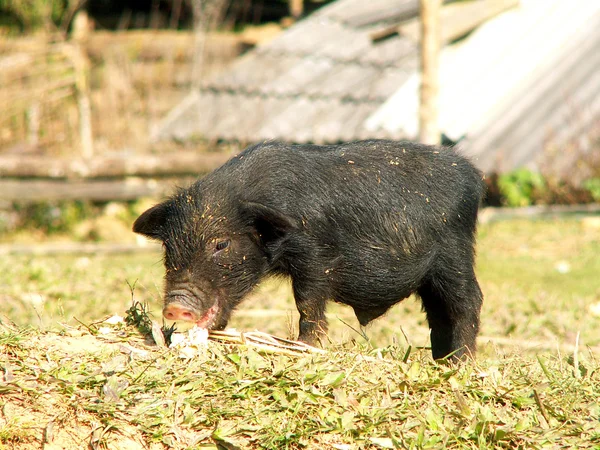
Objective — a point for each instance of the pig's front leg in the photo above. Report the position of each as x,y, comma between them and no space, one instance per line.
311,301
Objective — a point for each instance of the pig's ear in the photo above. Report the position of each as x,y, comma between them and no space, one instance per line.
151,223
269,223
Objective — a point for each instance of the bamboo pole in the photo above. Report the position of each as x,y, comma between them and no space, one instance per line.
429,132
82,66
296,8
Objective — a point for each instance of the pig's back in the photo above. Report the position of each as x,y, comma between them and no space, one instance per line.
362,180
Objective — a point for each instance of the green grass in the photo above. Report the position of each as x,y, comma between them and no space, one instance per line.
74,386
100,391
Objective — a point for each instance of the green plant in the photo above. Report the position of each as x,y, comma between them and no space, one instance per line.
53,217
593,186
33,14
138,316
521,187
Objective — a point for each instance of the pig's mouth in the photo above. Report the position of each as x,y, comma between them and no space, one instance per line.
208,319
177,308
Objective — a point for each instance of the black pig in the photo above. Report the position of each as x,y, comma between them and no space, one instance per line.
365,224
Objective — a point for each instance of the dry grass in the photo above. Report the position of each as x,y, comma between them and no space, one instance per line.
135,79
104,387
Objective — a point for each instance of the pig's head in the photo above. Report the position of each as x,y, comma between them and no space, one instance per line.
215,252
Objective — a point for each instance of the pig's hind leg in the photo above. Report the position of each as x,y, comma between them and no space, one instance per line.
452,301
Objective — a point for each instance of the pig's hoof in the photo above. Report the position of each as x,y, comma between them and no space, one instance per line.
318,341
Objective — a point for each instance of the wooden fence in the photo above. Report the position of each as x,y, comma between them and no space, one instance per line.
44,98
102,178
64,138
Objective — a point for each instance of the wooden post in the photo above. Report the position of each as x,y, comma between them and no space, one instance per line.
296,8
81,31
33,124
207,15
429,132
82,26
82,86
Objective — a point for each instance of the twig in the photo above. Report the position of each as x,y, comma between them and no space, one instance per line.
538,401
265,342
92,332
576,357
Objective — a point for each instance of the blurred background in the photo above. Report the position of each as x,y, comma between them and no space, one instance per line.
103,90
107,105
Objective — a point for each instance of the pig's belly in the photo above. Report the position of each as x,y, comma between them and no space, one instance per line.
380,279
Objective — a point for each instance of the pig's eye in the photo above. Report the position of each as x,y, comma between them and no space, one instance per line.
222,245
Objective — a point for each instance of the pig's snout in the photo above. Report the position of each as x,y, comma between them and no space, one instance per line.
176,311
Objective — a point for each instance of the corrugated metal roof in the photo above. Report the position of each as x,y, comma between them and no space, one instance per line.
359,13
559,100
517,82
527,76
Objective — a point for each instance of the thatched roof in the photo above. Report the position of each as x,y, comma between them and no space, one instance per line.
317,82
